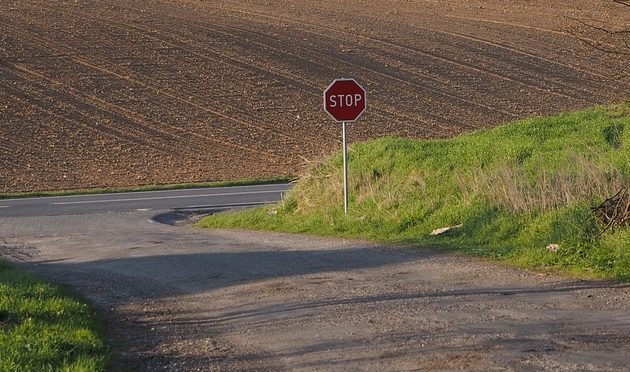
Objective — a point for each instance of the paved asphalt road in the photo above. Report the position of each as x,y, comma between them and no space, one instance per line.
149,200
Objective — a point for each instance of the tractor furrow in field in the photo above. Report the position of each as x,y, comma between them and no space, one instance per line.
557,43
99,111
253,132
144,84
175,141
326,44
323,60
409,124
74,107
312,85
248,109
468,63
500,58
44,102
405,121
129,92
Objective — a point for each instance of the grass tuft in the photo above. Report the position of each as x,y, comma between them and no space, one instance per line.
515,189
43,328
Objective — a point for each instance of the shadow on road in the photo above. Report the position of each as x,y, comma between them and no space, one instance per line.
160,287
156,276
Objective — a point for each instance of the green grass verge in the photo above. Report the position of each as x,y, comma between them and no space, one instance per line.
514,188
43,328
176,186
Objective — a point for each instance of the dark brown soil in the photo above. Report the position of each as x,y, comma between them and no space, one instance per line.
125,92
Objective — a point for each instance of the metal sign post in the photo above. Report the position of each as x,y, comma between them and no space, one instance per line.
344,101
345,169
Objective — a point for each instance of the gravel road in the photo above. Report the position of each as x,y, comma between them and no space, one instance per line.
182,298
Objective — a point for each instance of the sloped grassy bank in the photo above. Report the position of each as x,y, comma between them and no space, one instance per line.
515,189
43,328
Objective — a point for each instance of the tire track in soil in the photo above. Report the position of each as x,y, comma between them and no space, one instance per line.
563,48
255,15
393,77
77,122
35,154
512,62
372,70
169,139
94,113
84,115
539,29
19,147
539,56
584,99
311,85
140,137
408,81
315,89
171,95
244,117
385,113
168,94
226,60
466,75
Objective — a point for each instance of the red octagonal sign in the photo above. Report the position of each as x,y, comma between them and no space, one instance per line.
344,100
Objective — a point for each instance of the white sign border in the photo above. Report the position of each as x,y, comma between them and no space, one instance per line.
364,93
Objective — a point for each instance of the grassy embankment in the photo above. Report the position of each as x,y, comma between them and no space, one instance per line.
43,328
515,189
157,187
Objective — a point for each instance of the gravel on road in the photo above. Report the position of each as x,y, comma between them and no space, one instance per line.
183,298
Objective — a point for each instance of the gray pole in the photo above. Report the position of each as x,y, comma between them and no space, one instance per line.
345,170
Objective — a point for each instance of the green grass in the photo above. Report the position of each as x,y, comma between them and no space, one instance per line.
515,188
43,328
176,186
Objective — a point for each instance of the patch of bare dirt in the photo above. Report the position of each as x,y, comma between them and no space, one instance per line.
129,92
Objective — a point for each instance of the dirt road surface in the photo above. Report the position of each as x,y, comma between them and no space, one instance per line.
129,92
181,298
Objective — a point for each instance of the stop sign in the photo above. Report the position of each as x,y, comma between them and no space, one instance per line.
344,100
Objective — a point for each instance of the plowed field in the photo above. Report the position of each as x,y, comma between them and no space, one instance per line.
124,92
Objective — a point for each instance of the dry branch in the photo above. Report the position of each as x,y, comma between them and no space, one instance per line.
614,212
605,35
